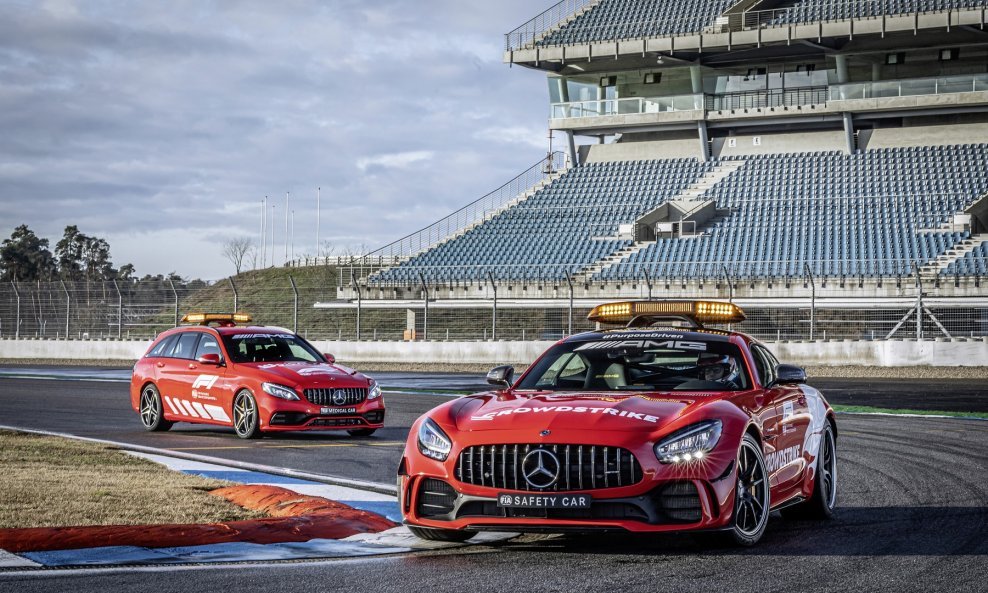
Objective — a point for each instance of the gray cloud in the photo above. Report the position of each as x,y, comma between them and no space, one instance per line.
173,120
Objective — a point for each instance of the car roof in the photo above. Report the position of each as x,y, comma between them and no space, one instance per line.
662,333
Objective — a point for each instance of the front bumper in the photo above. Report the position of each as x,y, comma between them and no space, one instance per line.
282,416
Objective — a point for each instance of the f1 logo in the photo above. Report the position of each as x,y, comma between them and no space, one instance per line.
205,381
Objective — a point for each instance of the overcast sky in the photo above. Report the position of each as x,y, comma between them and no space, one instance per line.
161,125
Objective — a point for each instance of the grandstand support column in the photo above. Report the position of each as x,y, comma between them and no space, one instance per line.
490,277
175,292
425,312
294,304
919,304
849,132
68,307
842,74
571,147
569,318
696,78
701,128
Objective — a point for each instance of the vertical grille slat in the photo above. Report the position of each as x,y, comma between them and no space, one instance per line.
582,467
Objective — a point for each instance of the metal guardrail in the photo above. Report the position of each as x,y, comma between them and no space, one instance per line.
553,17
630,106
767,98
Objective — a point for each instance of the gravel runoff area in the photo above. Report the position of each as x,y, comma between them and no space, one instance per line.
854,372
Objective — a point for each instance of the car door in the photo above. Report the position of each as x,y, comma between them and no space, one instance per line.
210,391
785,463
173,376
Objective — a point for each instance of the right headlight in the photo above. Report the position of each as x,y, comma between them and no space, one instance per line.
433,442
690,443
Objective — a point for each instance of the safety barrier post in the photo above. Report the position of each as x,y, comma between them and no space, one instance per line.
490,276
294,304
68,307
119,310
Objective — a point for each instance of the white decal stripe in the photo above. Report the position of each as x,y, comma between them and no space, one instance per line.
217,413
188,408
168,400
202,411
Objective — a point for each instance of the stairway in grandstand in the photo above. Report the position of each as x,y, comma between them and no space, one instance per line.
955,257
878,213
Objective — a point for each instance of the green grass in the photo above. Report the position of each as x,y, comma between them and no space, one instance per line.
872,410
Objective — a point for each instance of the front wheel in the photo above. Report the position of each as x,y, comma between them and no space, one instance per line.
152,414
245,415
441,535
821,504
751,495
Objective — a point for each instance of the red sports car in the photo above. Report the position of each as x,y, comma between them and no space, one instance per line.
255,379
651,427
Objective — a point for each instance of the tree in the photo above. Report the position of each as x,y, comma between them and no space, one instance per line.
68,253
126,272
25,257
236,250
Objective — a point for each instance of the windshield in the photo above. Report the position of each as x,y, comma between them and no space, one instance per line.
269,348
639,365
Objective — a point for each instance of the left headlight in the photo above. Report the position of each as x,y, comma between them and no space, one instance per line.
280,391
374,390
690,443
433,442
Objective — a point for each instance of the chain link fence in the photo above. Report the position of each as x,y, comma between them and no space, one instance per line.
306,300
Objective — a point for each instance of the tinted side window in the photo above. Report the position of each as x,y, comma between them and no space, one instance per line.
208,345
164,346
764,364
185,347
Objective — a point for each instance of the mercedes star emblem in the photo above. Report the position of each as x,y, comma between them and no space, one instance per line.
540,468
339,397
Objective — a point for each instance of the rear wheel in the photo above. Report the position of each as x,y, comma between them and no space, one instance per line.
245,415
362,432
821,504
441,535
751,495
152,414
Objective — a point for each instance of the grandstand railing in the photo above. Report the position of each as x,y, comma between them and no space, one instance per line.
536,31
767,98
630,106
551,18
841,10
940,85
473,213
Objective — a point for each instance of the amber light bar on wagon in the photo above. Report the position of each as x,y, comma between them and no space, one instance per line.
642,313
207,318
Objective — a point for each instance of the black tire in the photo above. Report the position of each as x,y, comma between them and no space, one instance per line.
441,535
362,432
751,495
245,415
151,410
824,499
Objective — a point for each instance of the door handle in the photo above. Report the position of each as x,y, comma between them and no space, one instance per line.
161,365
770,437
192,366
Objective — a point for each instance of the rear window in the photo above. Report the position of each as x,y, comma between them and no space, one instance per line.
639,365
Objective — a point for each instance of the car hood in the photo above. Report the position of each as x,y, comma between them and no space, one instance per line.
570,411
309,374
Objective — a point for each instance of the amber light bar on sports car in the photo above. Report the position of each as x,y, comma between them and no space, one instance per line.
642,312
207,318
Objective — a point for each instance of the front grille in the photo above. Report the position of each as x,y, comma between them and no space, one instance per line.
582,467
436,498
324,397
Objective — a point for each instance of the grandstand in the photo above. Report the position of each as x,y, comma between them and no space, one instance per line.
763,149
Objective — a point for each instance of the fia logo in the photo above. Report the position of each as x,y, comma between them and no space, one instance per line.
505,499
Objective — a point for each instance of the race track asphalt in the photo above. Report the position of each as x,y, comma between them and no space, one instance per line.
912,516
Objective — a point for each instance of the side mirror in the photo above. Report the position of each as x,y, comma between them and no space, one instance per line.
501,376
329,358
210,359
788,374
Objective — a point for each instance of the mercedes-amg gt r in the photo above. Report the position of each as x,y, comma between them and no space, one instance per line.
647,428
255,379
